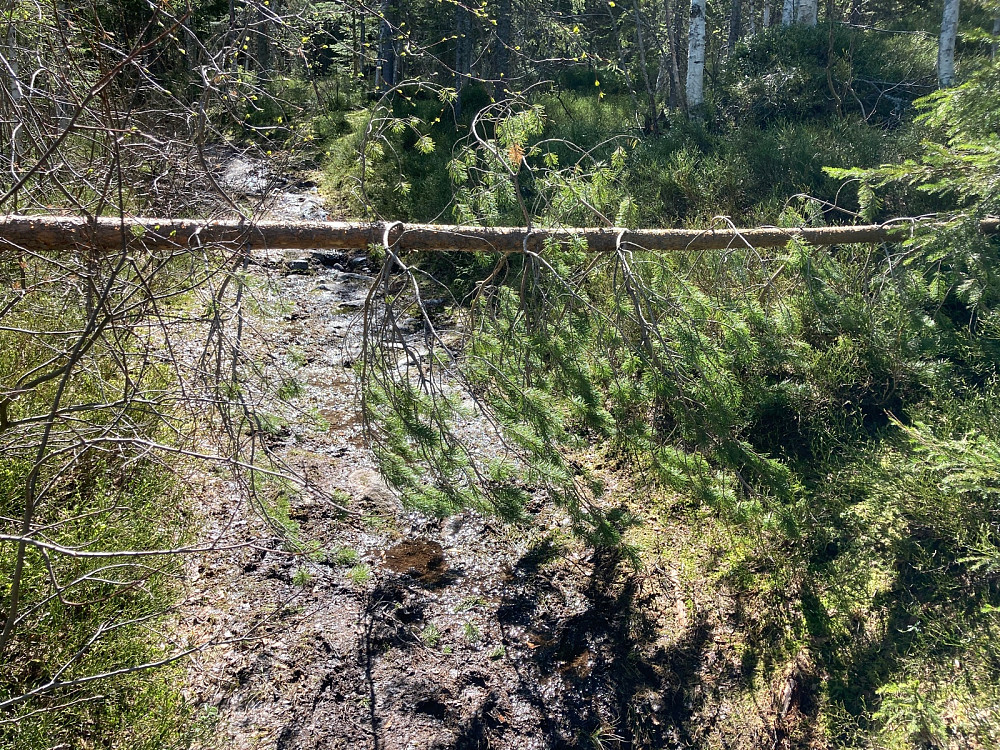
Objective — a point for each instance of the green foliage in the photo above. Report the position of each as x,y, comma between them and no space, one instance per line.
799,73
579,154
117,507
431,635
835,410
957,163
302,577
359,575
471,632
344,557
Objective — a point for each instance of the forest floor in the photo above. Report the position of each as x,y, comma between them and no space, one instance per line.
402,631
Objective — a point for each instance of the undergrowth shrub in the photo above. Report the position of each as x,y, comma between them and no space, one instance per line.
803,74
108,504
833,409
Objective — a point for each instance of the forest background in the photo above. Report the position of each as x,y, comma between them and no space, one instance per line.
823,422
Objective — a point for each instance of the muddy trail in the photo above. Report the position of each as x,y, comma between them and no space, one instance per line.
400,631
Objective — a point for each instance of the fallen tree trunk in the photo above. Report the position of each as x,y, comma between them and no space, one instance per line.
48,233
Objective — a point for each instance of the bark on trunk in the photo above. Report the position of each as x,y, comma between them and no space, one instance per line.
651,116
385,70
857,7
996,34
49,233
505,41
668,62
262,32
788,13
677,98
463,54
735,25
766,19
696,57
355,45
629,84
808,12
946,44
11,69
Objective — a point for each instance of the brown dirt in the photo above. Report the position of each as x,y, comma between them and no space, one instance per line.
403,632
418,558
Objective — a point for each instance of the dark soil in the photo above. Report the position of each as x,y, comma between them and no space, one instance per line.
403,632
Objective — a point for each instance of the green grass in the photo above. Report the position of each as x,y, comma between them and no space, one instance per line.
134,507
344,557
108,613
359,575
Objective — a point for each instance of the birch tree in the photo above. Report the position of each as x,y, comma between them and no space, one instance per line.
808,12
788,13
10,65
946,45
696,57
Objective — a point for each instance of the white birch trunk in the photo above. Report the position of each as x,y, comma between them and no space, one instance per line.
946,45
808,12
788,13
766,21
996,33
696,57
13,73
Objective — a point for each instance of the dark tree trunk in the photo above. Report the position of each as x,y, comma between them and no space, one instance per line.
262,35
463,54
385,71
651,117
857,9
503,46
735,25
355,46
676,87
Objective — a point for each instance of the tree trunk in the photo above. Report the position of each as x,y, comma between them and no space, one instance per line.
505,41
735,25
808,12
946,45
857,7
262,33
355,48
788,13
668,61
64,233
385,69
766,19
696,58
676,86
463,54
629,85
9,60
651,117
996,34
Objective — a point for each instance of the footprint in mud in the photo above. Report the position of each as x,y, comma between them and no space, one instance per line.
419,558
